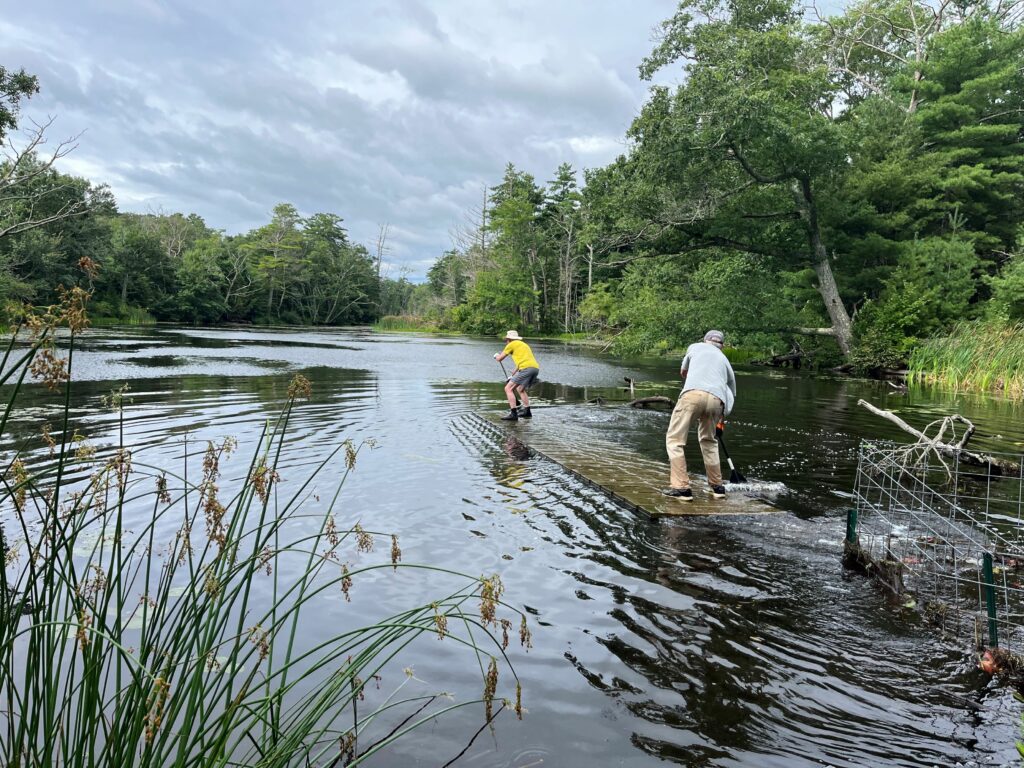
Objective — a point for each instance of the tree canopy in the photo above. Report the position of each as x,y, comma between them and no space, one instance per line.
848,184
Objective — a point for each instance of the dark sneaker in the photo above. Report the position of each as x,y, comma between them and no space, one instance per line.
525,413
683,494
717,491
512,415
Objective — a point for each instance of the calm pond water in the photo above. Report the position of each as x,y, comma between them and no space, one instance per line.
698,642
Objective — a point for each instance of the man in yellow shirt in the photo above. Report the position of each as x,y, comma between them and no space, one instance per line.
522,377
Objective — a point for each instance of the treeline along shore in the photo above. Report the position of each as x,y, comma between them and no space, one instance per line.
838,190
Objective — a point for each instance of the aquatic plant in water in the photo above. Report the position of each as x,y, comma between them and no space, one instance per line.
978,355
176,637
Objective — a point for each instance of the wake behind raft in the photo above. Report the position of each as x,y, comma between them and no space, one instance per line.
628,478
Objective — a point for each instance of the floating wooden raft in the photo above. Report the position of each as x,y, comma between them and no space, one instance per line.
627,478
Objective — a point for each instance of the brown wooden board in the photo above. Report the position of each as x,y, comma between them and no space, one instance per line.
628,478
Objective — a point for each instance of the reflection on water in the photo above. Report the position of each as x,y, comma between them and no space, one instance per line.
701,642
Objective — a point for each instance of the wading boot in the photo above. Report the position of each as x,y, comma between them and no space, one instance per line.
525,413
512,415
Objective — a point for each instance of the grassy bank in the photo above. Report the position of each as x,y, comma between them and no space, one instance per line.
402,323
978,356
131,316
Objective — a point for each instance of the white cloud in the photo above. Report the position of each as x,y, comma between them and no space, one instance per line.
597,145
384,112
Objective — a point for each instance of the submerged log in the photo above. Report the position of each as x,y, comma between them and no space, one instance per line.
957,450
794,358
643,402
887,572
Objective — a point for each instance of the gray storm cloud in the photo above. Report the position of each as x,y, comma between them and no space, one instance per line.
399,112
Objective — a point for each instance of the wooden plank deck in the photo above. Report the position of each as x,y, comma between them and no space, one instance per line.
630,479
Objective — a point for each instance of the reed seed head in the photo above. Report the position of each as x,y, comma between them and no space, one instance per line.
49,369
525,637
490,687
440,622
162,493
491,590
19,475
155,715
71,307
350,454
51,444
364,540
396,553
506,625
346,582
300,386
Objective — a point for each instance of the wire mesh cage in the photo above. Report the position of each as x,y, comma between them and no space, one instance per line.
944,527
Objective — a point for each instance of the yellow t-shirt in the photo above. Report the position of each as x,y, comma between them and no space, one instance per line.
521,354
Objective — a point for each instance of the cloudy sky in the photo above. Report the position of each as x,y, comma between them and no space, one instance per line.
393,111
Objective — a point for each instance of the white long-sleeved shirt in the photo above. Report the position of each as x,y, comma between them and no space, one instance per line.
708,369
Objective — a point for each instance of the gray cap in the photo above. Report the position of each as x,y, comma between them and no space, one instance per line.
715,337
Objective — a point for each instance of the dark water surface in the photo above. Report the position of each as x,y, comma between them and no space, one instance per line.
702,642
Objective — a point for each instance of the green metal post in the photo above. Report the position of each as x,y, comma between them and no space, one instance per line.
990,600
851,525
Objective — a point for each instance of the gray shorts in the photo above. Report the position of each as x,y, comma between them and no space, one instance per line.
525,378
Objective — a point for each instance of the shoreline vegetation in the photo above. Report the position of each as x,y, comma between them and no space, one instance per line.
847,199
979,356
973,356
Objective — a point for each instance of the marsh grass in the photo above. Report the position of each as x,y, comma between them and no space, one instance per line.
132,639
978,356
405,323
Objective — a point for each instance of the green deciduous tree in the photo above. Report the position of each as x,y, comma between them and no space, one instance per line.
276,250
746,154
14,86
337,281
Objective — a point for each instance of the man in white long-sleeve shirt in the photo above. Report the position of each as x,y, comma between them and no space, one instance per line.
709,390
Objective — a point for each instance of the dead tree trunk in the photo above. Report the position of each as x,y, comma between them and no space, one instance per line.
842,326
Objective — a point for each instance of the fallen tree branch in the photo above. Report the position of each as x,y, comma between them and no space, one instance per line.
815,331
957,450
794,358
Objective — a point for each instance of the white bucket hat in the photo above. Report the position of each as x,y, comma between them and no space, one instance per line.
513,336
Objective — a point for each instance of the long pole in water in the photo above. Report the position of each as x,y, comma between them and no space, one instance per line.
514,393
734,474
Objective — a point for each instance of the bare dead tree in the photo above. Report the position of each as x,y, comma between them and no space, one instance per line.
238,276
175,231
381,248
897,34
471,238
24,189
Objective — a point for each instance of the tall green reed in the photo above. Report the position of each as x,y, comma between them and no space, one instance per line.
405,323
979,355
150,640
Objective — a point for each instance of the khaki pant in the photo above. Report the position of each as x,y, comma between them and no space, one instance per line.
706,409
